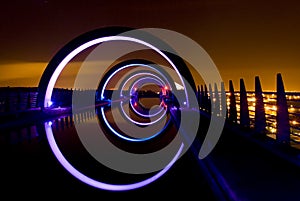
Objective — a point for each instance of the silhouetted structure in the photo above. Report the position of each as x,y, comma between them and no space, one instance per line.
232,104
244,110
260,115
282,117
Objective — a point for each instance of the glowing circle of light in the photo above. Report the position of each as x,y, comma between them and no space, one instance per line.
143,115
134,88
129,138
88,44
105,186
49,132
127,66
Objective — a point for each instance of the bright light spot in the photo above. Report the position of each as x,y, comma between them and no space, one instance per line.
50,123
178,86
292,109
294,122
184,103
49,103
252,99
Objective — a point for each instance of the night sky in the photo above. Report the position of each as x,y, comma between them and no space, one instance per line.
244,38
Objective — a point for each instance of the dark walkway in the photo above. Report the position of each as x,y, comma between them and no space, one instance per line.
256,169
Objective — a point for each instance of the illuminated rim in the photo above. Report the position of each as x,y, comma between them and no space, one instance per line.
127,66
124,113
121,94
98,184
131,120
132,89
158,79
143,124
129,138
48,128
141,114
88,44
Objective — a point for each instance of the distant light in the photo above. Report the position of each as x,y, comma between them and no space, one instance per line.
135,104
50,123
184,103
166,87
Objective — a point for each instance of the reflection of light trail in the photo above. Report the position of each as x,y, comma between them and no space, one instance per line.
82,177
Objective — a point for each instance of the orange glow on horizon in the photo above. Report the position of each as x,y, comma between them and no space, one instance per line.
28,74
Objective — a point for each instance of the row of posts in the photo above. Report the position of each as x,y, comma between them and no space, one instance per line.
209,99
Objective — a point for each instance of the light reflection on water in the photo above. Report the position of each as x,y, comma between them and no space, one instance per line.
28,141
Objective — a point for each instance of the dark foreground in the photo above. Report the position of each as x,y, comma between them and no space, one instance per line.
241,167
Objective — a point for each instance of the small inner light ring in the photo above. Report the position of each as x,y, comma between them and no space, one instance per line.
136,83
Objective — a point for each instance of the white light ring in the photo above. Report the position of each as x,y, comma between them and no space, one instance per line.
101,185
144,124
123,67
86,45
159,81
131,120
135,122
48,95
129,138
144,115
137,74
